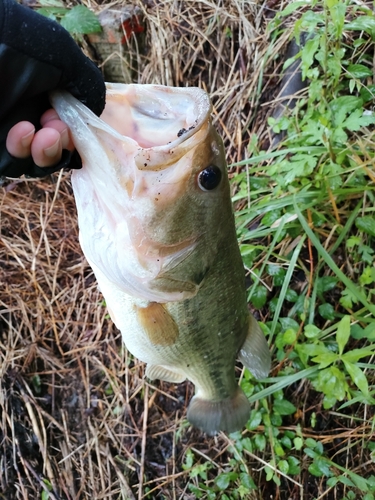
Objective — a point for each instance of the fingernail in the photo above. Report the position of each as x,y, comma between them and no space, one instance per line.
52,150
27,139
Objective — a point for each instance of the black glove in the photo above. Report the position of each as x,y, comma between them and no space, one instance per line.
38,55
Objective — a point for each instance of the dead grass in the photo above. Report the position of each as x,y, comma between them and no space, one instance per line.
77,417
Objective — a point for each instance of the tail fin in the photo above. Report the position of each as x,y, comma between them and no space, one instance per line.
229,414
254,353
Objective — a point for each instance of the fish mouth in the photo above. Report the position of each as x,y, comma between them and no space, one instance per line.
154,116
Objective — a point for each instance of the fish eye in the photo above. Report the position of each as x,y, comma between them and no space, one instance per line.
209,178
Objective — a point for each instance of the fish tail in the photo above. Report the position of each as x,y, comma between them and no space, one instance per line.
229,414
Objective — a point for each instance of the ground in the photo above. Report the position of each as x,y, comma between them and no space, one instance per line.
78,419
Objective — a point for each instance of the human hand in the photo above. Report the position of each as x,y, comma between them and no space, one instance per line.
46,145
35,60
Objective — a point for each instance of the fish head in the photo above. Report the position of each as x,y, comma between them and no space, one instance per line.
153,194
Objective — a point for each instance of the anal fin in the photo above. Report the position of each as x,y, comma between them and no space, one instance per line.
162,373
255,354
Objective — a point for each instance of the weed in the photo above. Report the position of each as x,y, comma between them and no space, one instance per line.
308,235
78,20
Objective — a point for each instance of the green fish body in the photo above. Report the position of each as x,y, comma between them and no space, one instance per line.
157,227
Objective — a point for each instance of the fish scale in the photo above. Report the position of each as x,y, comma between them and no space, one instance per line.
157,227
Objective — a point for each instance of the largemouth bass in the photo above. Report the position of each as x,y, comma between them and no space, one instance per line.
157,227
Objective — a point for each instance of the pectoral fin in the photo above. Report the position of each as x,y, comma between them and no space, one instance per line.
158,324
255,354
162,373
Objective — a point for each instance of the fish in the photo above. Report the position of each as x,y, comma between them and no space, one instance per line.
156,225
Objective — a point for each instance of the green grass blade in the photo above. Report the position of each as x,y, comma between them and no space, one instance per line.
329,261
283,382
285,286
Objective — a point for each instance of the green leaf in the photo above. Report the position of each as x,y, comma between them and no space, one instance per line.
367,333
53,12
247,481
325,359
291,7
308,54
362,23
291,295
284,407
255,420
343,106
345,480
356,354
332,382
283,466
343,333
298,443
288,324
311,331
189,459
81,21
223,481
259,296
289,337
348,298
270,217
327,311
359,481
357,120
326,283
260,441
294,467
359,70
332,481
358,377
366,224
320,467
368,93
313,349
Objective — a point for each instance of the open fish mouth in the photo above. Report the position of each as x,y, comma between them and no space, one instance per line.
153,115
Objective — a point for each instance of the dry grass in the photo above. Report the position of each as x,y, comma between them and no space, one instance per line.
77,417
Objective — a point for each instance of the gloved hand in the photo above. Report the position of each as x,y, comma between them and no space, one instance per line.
38,55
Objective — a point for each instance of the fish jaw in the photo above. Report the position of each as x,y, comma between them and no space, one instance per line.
139,205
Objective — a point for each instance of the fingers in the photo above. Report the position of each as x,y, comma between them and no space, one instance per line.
47,116
63,131
19,139
46,145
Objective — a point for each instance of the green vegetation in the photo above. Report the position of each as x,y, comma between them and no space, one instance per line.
78,20
307,233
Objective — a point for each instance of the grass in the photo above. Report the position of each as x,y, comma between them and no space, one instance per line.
77,417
